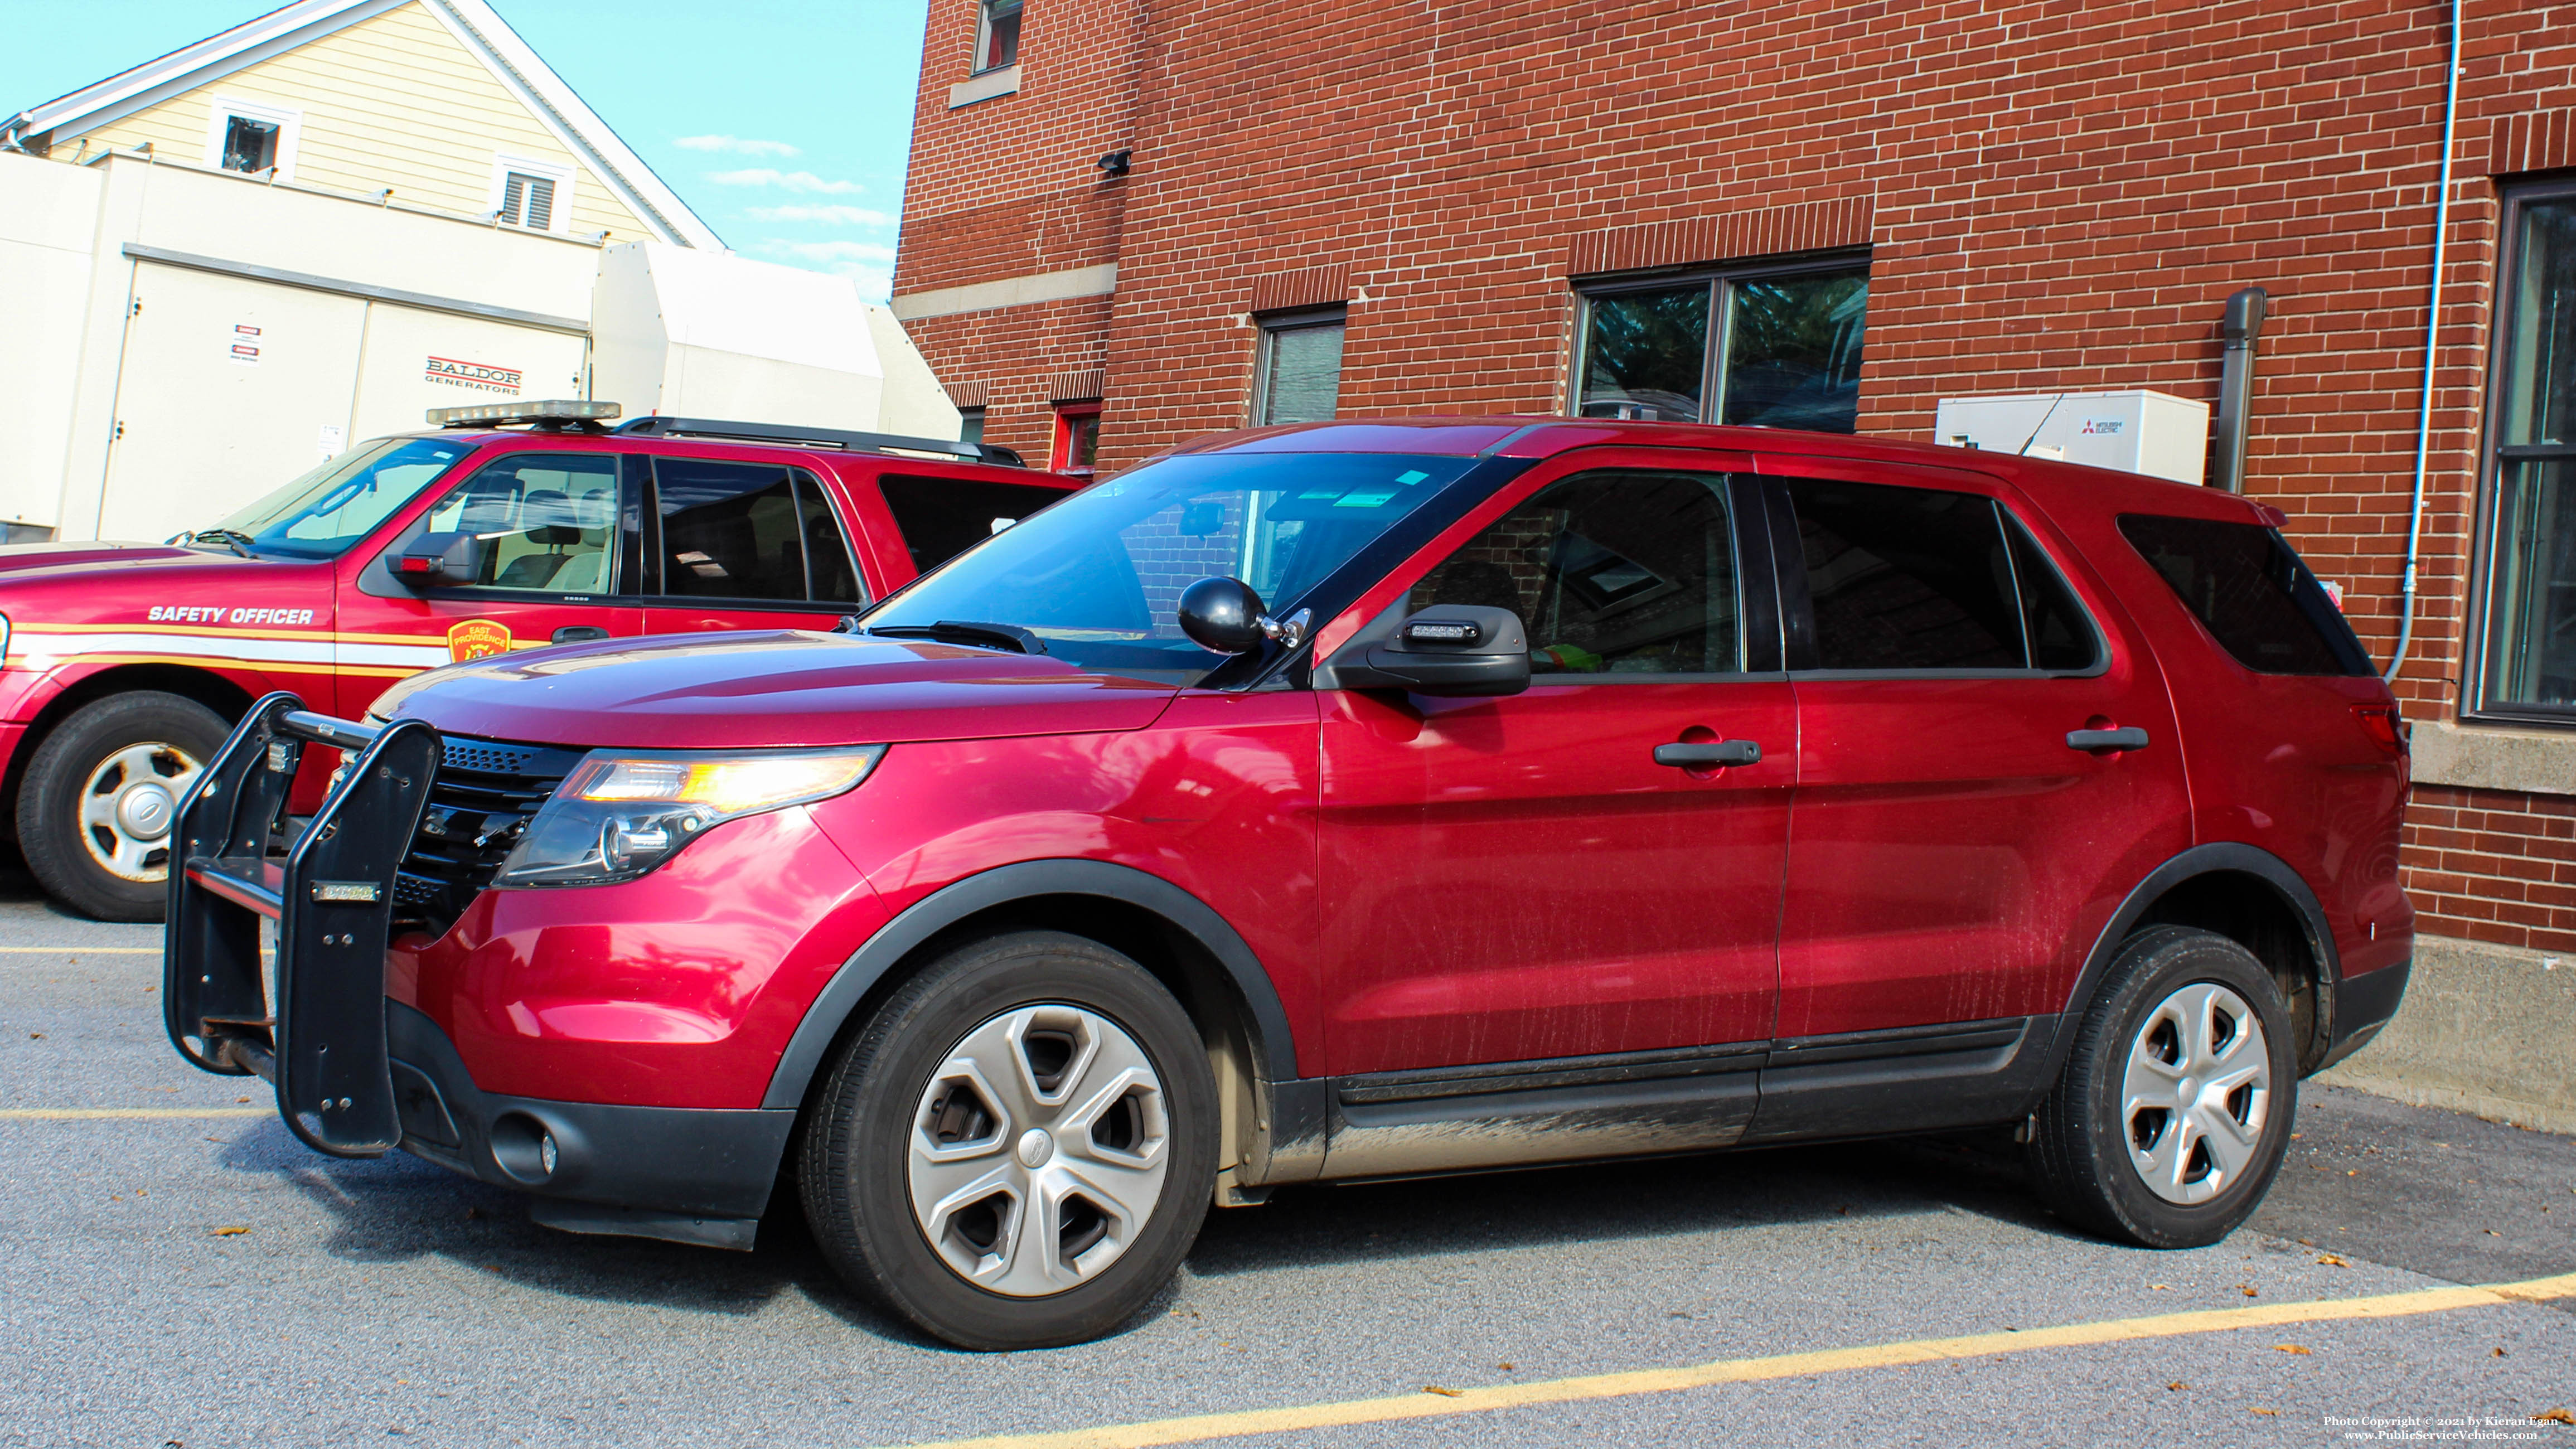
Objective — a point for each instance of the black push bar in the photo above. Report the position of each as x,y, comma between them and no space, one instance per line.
332,897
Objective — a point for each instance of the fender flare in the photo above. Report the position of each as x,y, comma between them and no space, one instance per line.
2228,857
1273,1046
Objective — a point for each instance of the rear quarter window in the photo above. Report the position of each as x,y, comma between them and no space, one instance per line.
941,518
2247,586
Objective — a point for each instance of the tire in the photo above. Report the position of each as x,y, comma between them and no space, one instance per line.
901,1140
2185,1175
103,782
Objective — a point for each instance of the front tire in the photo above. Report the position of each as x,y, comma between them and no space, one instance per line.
2176,1104
1018,1148
102,795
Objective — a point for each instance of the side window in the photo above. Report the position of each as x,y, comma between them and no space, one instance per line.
941,518
1903,579
551,519
1614,573
830,576
729,530
2250,590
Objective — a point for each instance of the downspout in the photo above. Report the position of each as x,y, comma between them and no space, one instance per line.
2432,337
2243,331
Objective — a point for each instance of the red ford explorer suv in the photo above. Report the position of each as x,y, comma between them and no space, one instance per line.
1584,789
126,664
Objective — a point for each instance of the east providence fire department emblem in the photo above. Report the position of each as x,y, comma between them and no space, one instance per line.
477,639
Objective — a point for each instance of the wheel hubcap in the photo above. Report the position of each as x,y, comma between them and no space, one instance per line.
1038,1150
129,804
2197,1093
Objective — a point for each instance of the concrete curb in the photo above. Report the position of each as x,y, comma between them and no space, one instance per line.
2487,1030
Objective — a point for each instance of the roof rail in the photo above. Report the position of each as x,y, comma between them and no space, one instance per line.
661,427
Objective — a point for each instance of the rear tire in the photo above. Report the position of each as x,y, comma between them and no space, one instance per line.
2175,1108
102,794
1018,1149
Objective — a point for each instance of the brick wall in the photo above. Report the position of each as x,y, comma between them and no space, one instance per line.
2054,196
2493,865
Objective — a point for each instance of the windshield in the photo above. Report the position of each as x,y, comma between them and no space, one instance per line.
1099,576
323,513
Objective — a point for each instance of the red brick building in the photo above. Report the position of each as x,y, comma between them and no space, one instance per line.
1160,220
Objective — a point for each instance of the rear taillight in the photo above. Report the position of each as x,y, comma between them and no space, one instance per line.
2379,721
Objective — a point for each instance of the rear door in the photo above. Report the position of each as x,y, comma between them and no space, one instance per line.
744,543
1952,853
560,525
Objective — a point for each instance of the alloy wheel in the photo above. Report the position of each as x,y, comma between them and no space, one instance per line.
2196,1093
130,803
1038,1150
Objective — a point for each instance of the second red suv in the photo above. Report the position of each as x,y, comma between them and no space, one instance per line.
1586,789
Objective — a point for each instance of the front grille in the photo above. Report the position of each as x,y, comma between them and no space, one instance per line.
486,793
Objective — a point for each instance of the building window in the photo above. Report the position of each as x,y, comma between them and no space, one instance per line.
1298,378
530,193
1774,347
997,34
970,425
253,138
2529,659
1077,438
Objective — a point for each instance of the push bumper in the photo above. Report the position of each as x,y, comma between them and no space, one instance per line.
2362,1005
357,1074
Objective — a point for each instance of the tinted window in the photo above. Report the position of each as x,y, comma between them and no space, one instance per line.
830,577
2244,582
2061,634
550,519
729,530
1907,578
941,518
1612,573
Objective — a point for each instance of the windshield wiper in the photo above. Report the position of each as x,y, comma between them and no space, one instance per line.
973,635
231,538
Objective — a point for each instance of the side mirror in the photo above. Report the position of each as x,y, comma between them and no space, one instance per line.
1226,616
1451,651
441,560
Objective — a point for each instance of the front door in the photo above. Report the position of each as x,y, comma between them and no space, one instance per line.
1513,879
1954,854
553,572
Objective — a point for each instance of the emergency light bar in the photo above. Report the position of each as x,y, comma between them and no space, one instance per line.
553,413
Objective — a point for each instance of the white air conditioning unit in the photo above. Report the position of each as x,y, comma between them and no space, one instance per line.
2133,430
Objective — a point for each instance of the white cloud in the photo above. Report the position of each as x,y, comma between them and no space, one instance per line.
831,251
802,181
735,145
832,215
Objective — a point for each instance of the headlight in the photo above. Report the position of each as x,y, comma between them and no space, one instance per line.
618,815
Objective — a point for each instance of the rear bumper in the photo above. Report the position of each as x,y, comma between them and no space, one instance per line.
697,1174
2362,1005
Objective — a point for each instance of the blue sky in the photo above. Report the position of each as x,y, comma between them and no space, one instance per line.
784,123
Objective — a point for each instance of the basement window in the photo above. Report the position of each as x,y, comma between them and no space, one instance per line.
997,35
532,194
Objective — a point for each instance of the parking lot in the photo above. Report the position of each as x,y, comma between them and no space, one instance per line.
181,1272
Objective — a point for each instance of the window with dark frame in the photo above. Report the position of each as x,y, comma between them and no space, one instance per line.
2527,665
997,35
1763,347
1298,376
249,145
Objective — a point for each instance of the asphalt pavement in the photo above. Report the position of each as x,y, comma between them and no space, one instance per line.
194,1279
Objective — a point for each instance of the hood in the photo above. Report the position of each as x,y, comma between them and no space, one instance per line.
168,564
17,557
781,688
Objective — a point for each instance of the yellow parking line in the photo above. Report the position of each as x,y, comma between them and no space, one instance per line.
1429,1403
94,1114
80,950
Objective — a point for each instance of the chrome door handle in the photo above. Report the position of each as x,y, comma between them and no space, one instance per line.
2127,739
1712,752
